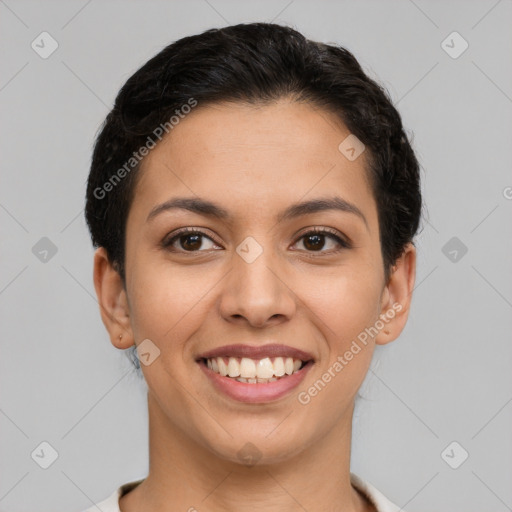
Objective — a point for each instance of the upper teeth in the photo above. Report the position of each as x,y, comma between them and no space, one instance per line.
249,368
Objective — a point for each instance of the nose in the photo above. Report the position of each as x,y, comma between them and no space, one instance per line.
256,293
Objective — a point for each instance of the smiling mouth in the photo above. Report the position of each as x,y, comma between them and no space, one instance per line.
254,371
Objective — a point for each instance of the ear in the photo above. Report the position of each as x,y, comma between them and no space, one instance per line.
396,296
112,300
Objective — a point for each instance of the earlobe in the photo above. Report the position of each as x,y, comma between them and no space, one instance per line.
396,297
112,300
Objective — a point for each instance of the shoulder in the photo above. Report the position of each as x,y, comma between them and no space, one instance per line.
378,500
111,504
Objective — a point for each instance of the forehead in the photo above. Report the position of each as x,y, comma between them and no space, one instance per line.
254,155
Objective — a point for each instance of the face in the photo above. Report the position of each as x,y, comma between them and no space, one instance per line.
236,261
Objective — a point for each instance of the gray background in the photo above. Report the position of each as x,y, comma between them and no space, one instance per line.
446,379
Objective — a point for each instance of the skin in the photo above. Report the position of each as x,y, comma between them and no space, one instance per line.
254,161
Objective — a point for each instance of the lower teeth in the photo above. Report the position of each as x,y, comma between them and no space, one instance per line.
255,381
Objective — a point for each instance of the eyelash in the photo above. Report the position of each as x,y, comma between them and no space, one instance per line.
343,243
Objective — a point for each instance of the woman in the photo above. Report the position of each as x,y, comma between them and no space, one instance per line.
253,199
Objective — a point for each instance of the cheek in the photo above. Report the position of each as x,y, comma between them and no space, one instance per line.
167,301
353,308
168,305
346,301
347,305
345,308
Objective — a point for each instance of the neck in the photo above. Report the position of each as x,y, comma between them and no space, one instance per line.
184,475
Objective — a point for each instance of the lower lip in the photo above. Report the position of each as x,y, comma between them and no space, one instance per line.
256,393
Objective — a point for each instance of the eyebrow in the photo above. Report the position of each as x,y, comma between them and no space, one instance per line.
210,209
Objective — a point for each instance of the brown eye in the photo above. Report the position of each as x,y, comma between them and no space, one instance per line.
191,242
316,240
188,240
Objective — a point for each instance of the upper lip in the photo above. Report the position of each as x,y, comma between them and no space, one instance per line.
256,352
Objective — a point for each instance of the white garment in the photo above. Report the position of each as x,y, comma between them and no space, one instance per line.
381,503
